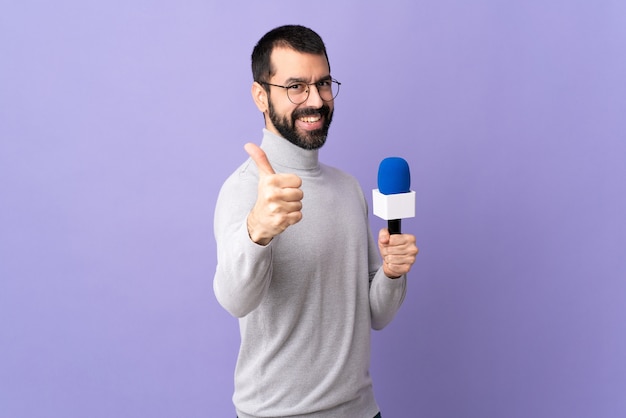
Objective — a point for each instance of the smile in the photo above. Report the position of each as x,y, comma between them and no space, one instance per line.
310,119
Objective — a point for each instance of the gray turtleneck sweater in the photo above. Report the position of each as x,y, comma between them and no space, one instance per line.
307,300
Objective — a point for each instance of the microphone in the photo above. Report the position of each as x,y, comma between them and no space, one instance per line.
393,200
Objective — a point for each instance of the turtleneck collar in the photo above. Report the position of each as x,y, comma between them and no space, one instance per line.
283,153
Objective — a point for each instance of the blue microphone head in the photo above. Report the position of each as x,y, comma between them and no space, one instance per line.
394,176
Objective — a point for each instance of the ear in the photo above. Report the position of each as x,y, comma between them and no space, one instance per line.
259,95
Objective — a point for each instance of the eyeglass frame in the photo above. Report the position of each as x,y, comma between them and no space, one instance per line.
308,91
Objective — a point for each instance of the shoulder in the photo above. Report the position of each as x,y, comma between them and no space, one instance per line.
240,183
247,172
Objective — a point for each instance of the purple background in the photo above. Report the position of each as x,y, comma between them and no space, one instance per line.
119,121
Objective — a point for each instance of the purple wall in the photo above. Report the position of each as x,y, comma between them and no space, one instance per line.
119,121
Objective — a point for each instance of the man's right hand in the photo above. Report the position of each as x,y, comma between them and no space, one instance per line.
279,200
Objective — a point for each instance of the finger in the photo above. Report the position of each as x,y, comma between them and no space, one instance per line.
290,182
291,194
401,240
260,159
383,236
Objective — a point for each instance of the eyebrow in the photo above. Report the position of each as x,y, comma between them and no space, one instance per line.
292,80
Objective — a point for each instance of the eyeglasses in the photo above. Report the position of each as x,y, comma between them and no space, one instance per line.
298,93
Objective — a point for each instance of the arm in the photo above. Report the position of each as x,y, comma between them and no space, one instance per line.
253,208
244,268
388,285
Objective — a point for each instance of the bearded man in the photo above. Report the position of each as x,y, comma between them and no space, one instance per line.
297,263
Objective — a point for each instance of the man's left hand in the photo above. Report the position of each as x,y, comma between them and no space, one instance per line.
398,252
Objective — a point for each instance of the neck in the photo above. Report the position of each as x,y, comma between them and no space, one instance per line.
284,153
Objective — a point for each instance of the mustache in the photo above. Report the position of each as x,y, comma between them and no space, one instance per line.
324,111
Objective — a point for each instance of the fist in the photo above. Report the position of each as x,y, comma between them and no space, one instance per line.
398,252
279,200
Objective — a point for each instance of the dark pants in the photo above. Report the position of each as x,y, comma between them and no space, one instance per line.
377,415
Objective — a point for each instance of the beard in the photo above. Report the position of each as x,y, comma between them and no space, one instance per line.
309,140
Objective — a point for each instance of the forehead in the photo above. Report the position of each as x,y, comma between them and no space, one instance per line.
291,64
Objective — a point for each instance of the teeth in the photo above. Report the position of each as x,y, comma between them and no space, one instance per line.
310,119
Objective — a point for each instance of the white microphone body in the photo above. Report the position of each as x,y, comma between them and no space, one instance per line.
393,208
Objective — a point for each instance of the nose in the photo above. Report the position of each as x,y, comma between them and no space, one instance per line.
314,99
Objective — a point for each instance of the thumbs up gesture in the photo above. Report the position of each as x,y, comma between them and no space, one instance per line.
279,200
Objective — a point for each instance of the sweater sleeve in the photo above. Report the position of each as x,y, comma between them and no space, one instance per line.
386,295
244,268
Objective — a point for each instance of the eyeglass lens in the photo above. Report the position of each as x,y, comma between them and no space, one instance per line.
299,92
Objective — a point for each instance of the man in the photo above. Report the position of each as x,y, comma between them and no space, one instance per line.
296,259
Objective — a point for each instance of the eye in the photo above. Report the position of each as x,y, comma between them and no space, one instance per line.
297,87
324,83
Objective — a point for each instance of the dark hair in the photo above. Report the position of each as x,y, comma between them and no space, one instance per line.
296,37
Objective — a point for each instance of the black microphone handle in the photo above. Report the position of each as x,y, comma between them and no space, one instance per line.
394,226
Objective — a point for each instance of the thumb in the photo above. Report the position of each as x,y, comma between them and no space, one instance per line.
259,158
